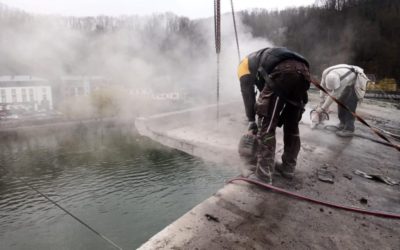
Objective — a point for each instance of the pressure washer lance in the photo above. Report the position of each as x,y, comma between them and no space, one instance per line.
317,118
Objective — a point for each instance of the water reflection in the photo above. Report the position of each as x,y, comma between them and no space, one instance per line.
123,185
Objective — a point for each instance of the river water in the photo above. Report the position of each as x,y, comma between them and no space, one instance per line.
123,185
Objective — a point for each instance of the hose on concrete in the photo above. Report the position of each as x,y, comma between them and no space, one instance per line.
393,135
328,127
319,202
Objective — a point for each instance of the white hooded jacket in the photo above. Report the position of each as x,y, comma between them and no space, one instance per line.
331,81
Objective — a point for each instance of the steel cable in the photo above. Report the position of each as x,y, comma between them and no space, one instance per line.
65,210
236,33
217,29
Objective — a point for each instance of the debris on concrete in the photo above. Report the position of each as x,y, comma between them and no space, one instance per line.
364,201
211,218
377,177
325,175
347,176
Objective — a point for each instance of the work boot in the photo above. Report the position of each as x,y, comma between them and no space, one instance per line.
266,180
345,133
340,126
284,170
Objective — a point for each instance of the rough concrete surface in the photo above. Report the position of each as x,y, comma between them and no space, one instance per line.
244,216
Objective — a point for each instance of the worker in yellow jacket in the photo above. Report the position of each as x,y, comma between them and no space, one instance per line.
282,77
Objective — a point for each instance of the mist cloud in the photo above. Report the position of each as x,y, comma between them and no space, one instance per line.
163,53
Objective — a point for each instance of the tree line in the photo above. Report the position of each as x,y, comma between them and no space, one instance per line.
360,32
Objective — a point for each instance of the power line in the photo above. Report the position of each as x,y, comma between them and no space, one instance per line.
65,210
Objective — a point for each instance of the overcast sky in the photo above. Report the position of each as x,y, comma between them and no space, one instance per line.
189,8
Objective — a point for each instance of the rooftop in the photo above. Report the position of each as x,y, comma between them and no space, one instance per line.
21,78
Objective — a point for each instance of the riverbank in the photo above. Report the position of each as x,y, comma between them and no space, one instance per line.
242,216
16,129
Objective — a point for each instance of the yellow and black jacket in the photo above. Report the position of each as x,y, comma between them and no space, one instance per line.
250,68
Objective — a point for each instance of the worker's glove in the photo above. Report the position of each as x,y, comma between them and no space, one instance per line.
323,114
320,110
252,128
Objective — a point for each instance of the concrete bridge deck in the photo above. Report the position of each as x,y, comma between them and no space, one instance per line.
243,216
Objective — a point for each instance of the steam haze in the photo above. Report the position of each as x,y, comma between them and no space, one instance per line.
160,52
166,53
192,9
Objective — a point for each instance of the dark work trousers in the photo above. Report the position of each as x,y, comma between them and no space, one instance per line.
271,110
348,98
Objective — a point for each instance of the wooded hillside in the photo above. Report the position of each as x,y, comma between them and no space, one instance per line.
360,32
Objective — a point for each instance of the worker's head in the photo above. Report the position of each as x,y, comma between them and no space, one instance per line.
332,81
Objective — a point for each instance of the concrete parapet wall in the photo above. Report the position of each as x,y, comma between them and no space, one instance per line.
181,118
161,127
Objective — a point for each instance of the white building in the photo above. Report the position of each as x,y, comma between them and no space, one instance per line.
25,93
74,86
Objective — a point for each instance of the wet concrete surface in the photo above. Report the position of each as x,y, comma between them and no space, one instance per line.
244,216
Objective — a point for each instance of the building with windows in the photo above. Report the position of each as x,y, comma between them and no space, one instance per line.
75,86
20,94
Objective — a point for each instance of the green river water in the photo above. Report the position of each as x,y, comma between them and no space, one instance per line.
125,186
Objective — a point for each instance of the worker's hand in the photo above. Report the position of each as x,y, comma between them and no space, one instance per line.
314,116
322,114
252,128
320,110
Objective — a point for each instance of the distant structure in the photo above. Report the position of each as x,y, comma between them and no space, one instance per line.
75,86
386,88
23,93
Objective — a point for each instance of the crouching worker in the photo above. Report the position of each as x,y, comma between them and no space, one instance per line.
348,84
282,77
